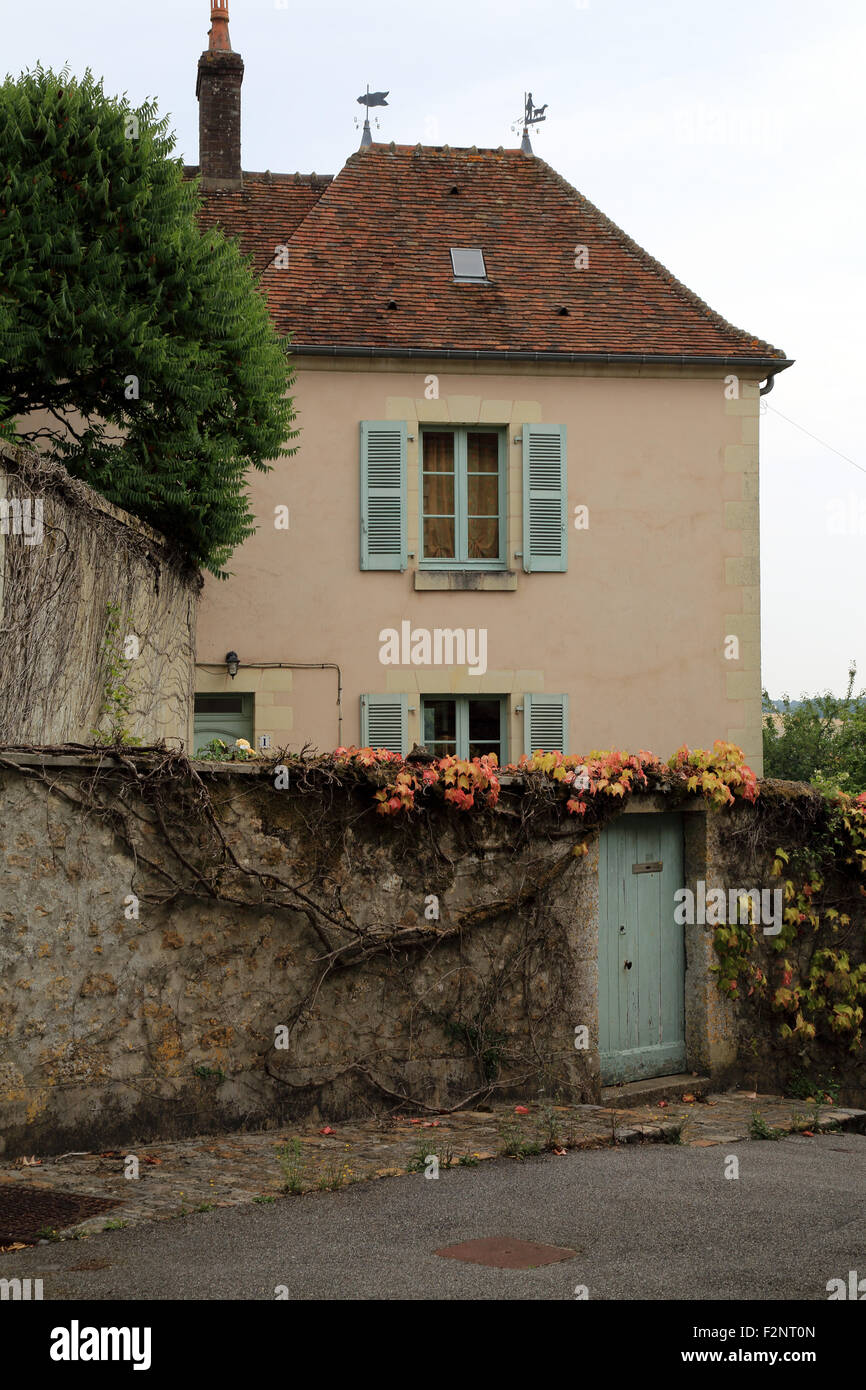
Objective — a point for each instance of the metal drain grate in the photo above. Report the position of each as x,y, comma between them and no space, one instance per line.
504,1252
26,1211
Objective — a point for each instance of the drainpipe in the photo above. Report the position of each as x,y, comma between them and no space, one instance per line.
768,386
291,666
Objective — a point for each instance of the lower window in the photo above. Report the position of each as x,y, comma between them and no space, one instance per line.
228,717
463,727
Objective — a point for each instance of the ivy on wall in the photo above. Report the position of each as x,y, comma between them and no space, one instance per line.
720,776
811,980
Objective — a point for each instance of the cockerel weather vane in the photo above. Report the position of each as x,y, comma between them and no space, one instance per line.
368,100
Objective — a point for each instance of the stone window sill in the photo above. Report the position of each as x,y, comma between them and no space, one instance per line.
496,581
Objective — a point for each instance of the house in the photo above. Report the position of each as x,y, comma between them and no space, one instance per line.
523,511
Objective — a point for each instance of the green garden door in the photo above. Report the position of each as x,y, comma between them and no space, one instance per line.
641,950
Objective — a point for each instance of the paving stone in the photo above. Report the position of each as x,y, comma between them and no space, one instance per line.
228,1170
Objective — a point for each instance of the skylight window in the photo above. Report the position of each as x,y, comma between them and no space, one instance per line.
468,265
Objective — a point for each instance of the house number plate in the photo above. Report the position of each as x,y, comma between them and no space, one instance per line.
651,867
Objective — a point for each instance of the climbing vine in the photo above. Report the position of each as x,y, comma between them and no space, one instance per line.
810,979
117,693
720,776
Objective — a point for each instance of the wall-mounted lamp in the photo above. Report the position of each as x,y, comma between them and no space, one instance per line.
233,661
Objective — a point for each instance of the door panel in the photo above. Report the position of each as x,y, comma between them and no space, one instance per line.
641,955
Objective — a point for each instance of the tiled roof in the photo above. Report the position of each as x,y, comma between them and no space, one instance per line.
379,234
266,213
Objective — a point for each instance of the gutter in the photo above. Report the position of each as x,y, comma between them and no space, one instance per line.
768,366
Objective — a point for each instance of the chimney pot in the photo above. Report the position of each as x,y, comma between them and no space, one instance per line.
218,33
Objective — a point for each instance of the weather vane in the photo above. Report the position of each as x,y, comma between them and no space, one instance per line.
368,100
532,115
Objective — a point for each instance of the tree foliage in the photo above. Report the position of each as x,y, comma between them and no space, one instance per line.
819,739
134,346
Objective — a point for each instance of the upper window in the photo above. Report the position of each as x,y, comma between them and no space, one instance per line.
467,262
462,497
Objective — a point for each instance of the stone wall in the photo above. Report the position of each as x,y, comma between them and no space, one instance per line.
114,1026
737,851
184,949
70,564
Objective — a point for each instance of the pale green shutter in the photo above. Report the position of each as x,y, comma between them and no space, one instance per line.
385,722
545,496
383,495
545,723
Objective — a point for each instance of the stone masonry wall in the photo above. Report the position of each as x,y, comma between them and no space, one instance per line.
189,949
56,588
114,1027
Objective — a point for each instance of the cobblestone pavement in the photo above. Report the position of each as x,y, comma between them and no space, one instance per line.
190,1175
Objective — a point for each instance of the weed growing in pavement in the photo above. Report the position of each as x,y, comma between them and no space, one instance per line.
514,1142
759,1129
334,1176
547,1126
291,1160
424,1151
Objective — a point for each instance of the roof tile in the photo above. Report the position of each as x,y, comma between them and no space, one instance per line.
383,228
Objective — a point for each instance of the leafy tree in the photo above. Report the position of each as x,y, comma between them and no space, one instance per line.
820,739
136,347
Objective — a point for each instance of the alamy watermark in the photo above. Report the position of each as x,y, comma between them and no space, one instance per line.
20,1290
26,518
719,907
443,646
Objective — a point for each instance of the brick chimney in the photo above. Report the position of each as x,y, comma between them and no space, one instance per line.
220,74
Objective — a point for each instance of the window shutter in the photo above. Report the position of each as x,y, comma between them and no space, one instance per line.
545,495
545,723
383,495
385,722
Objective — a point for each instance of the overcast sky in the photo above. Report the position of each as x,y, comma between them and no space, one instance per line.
726,139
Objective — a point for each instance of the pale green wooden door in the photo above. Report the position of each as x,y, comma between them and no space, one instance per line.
641,951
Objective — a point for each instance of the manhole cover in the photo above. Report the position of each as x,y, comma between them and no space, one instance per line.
503,1252
27,1211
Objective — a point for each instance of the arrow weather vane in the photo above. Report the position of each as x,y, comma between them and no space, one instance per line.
368,100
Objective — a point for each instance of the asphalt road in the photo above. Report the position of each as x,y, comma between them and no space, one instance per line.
647,1222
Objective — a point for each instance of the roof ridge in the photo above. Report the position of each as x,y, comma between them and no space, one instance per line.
269,175
393,148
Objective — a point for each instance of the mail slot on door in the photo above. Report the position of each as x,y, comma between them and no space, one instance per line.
655,867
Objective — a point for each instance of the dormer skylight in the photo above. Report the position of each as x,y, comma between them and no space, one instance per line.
468,265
